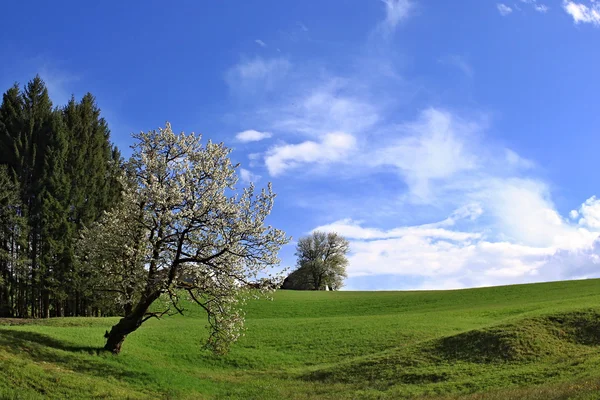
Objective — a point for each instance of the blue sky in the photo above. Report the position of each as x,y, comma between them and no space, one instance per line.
454,143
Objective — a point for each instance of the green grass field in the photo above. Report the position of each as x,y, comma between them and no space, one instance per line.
537,341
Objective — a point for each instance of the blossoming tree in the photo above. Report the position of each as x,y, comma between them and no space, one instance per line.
183,229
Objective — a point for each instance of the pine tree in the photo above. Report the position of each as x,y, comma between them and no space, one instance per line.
37,132
63,170
56,229
12,146
9,206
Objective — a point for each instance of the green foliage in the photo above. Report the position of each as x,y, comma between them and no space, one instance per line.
63,169
183,228
299,279
517,342
321,262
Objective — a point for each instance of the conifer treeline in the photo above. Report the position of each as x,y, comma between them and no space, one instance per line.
57,174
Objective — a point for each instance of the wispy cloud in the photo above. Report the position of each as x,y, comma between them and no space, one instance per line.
433,147
459,209
427,253
503,9
257,75
352,230
59,84
248,177
252,135
513,230
514,160
302,26
541,8
582,13
325,107
333,147
260,43
450,258
396,11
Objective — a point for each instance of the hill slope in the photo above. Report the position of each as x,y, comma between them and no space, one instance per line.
498,343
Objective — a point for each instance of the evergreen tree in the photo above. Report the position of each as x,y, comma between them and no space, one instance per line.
9,205
12,146
92,168
37,132
62,170
56,229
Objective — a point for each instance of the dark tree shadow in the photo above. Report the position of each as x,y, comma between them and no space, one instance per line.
39,347
45,340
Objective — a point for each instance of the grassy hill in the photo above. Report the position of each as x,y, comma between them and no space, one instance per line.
538,341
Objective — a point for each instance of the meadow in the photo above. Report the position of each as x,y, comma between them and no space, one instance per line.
539,341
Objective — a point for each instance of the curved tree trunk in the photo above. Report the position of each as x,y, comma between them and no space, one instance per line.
128,324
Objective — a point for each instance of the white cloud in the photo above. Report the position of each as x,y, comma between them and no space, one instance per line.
514,226
395,12
352,229
446,258
589,213
434,147
573,214
258,75
470,212
523,212
441,253
503,9
504,227
572,264
515,160
247,176
541,8
582,13
252,135
260,43
333,147
325,107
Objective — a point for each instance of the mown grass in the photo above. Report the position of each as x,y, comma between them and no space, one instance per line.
537,341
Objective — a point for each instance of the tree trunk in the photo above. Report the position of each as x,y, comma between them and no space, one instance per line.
128,308
77,304
60,310
128,324
4,290
45,303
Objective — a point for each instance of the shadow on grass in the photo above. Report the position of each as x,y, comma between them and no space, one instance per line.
44,340
84,359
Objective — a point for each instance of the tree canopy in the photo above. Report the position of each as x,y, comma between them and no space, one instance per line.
183,229
321,262
82,232
59,169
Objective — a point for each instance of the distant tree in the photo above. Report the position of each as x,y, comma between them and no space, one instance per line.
185,231
321,260
298,279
